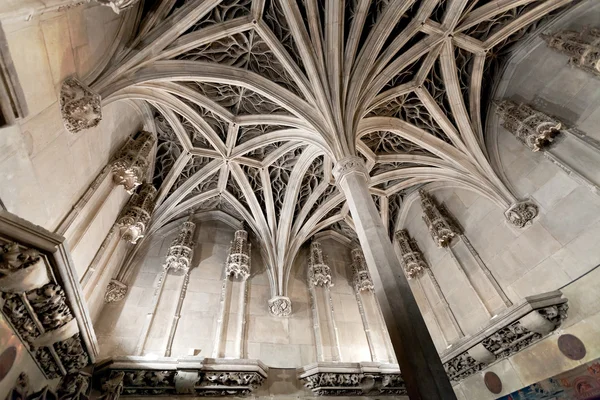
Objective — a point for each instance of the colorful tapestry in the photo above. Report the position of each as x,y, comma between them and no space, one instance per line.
581,383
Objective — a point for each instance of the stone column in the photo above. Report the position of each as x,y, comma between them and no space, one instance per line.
319,282
418,358
414,267
132,160
179,258
136,215
234,292
583,47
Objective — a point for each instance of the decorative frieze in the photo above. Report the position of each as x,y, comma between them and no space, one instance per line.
80,107
583,47
181,251
136,216
280,306
412,257
132,160
115,291
353,379
319,273
522,213
75,386
238,260
531,127
362,279
135,376
36,305
441,227
118,5
509,333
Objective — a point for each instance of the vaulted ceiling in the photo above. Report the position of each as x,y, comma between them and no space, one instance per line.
255,100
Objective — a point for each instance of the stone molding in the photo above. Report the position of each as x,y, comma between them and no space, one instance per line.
135,218
115,291
76,386
510,332
132,161
319,273
41,298
522,213
412,256
531,127
280,306
582,47
353,379
239,258
345,166
181,251
362,278
138,376
80,107
440,226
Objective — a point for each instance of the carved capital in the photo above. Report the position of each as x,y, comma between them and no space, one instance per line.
80,107
280,306
136,216
362,279
115,291
522,213
349,165
412,257
118,5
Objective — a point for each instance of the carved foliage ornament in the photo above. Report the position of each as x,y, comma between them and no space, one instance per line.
531,127
118,5
80,107
37,308
354,384
280,306
522,213
115,291
72,387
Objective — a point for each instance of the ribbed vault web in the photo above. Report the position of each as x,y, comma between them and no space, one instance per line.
255,100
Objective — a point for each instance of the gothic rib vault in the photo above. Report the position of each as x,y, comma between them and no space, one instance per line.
254,101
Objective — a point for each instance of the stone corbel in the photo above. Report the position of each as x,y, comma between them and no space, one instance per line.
80,107
115,291
522,213
280,306
40,297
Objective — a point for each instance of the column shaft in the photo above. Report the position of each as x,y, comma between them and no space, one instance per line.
418,358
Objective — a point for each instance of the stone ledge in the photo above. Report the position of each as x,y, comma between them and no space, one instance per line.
507,334
353,379
196,376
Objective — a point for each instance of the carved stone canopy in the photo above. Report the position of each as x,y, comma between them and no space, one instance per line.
319,273
362,278
239,258
582,46
132,161
531,127
440,226
80,107
137,213
180,253
412,257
